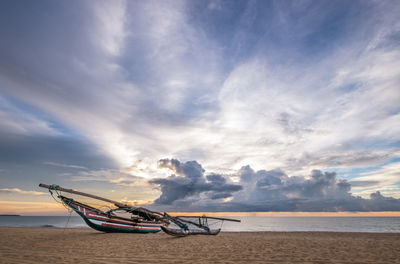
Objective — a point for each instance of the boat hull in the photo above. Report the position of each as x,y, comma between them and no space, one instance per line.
101,222
181,232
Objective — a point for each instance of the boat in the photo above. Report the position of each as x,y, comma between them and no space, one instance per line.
139,219
193,225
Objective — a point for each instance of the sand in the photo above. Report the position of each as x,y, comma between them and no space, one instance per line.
52,245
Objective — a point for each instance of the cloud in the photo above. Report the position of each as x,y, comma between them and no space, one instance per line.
299,87
19,191
232,88
280,192
188,180
112,18
386,178
21,122
114,176
262,190
388,173
37,149
63,165
363,183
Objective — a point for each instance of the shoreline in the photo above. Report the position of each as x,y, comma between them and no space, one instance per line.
222,232
84,245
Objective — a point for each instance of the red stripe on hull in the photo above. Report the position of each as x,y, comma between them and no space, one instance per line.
133,227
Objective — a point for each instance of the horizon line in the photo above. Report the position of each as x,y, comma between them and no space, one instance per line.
267,214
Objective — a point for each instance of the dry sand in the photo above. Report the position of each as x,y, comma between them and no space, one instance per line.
52,245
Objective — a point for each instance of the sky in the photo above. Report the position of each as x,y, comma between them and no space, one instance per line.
267,106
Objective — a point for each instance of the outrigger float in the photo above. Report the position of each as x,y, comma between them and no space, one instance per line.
139,219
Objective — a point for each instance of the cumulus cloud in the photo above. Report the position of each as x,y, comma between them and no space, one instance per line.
262,190
189,180
275,185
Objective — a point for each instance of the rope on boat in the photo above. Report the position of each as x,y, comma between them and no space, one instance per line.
69,216
54,187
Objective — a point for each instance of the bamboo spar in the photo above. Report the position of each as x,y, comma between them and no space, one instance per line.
58,188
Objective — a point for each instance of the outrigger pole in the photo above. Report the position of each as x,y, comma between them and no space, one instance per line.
210,217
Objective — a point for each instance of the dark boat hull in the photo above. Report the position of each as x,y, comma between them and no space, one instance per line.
101,222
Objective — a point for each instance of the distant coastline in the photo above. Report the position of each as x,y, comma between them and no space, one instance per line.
9,215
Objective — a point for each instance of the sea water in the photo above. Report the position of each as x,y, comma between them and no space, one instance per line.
330,224
249,223
43,221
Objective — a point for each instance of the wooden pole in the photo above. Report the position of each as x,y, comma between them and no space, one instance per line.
58,188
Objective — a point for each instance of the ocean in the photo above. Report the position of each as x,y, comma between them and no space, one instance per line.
249,223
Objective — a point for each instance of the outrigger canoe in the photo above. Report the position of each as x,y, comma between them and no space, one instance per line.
141,220
102,221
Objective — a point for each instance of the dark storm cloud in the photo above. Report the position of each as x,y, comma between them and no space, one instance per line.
190,169
263,190
188,180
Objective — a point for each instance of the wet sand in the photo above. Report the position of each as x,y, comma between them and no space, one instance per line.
53,245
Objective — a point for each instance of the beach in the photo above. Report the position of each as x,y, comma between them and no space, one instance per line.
57,245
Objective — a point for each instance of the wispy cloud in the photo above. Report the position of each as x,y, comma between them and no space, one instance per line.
63,165
19,191
258,106
17,121
386,179
111,20
389,173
